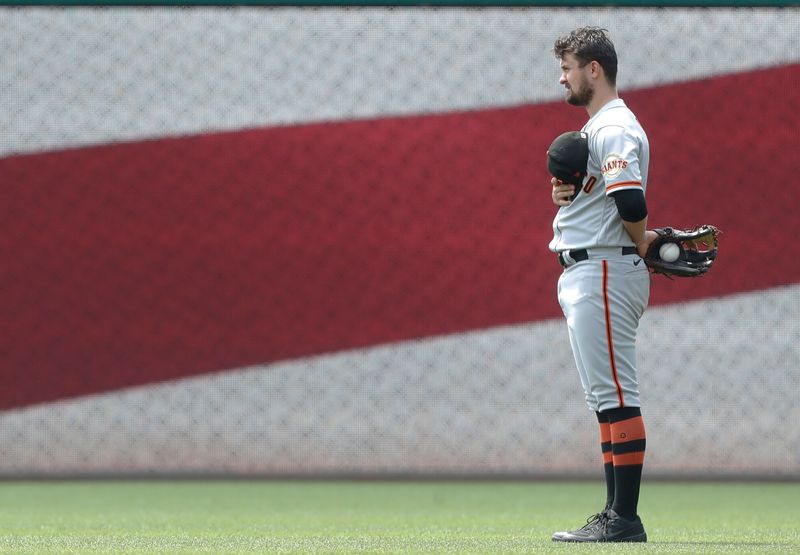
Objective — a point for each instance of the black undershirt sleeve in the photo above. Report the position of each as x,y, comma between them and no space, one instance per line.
630,204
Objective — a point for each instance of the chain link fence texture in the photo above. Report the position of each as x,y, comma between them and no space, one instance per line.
312,241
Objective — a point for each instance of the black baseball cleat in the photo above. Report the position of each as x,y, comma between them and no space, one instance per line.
607,526
591,522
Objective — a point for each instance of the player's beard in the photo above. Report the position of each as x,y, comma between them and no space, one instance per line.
581,96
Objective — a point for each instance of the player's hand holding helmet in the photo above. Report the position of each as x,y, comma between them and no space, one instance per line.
568,157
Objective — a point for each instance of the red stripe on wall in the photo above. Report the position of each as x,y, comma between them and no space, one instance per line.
133,263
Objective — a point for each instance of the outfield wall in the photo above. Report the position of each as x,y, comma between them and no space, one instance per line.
252,241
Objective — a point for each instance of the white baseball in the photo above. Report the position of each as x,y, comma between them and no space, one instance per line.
669,252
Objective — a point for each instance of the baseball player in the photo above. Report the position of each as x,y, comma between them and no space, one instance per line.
600,238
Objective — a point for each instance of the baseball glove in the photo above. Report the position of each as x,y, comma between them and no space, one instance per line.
696,254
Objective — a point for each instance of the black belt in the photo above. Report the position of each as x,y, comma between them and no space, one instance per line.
579,255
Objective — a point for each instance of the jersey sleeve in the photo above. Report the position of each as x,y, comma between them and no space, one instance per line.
618,155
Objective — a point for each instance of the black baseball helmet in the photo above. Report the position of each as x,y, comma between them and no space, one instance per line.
568,157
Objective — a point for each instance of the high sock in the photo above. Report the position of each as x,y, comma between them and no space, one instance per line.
608,463
627,449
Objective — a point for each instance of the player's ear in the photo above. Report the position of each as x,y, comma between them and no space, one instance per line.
596,69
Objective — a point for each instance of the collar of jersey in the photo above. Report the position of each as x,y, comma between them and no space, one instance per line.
616,103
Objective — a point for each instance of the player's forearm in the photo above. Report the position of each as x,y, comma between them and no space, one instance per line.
640,235
636,230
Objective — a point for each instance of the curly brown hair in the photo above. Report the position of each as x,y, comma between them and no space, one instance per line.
589,44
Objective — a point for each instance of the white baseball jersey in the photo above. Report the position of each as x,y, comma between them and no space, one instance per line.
619,154
604,296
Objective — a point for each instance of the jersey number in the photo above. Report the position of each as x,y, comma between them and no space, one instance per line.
589,185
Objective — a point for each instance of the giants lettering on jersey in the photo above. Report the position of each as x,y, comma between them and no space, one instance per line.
613,166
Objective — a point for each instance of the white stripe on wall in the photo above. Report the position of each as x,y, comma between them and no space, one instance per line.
82,76
719,380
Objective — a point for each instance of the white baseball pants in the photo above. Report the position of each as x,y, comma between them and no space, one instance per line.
603,299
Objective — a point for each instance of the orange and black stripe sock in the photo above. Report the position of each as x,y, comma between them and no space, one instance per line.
627,450
608,463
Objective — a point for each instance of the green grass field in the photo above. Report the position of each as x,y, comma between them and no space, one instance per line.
382,517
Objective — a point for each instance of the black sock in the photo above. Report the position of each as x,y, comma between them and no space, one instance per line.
627,448
608,463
